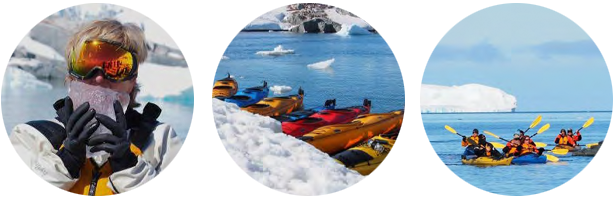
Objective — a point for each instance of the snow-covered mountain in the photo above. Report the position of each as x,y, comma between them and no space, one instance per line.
465,98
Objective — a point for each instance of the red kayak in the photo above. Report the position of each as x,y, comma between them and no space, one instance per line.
323,118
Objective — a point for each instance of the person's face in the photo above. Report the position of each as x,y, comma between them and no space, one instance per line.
569,133
99,80
475,134
562,132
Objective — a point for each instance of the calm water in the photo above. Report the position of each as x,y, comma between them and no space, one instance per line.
364,67
523,179
22,105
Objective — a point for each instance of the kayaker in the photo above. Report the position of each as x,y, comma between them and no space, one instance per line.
527,147
513,149
127,149
474,137
490,151
509,143
577,137
565,139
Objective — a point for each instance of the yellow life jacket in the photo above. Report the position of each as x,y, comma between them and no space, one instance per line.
563,140
93,179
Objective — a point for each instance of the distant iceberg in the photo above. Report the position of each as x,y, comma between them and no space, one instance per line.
162,82
272,20
280,89
20,79
465,98
352,30
277,51
40,49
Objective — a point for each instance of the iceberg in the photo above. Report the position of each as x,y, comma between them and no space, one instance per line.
16,78
225,58
164,82
280,89
322,65
277,51
277,160
334,15
465,98
272,20
39,49
352,30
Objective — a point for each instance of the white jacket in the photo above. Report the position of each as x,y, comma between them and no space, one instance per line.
40,155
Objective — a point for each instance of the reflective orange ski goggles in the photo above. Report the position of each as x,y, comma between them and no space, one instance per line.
116,63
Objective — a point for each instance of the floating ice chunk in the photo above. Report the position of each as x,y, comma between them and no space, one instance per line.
221,57
20,79
277,51
280,89
465,98
322,65
352,30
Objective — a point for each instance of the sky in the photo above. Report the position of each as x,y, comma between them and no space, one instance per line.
536,54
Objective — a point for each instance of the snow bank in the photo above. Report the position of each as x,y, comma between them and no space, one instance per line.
20,79
40,49
160,81
275,159
387,31
346,19
277,51
322,65
221,57
465,98
280,89
352,30
251,16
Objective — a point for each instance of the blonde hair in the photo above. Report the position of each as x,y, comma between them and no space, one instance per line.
129,35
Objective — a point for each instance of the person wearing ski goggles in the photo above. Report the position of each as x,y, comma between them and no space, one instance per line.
98,144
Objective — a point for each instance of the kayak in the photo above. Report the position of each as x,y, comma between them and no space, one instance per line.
487,161
326,117
570,148
276,106
335,138
531,158
302,114
249,96
592,151
367,156
225,87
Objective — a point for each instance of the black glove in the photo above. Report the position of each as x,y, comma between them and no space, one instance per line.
464,138
73,153
116,144
142,125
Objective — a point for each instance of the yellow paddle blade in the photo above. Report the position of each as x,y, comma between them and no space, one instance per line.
492,134
589,122
540,144
560,151
497,145
450,129
543,128
536,121
591,145
552,158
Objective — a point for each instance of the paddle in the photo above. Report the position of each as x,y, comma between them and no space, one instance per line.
559,151
541,130
538,144
535,122
587,123
497,145
591,145
454,131
552,158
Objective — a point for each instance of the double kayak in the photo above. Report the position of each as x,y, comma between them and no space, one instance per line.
367,156
531,158
225,87
276,106
592,151
249,96
325,117
335,138
302,114
487,161
570,148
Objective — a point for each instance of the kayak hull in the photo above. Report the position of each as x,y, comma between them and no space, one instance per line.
326,117
487,161
364,158
248,96
570,148
276,106
225,88
529,159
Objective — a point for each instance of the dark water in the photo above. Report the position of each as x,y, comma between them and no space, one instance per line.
513,180
364,67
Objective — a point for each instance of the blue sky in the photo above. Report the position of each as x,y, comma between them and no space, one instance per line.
536,54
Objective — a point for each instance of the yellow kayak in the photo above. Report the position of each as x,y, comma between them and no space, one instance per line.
487,161
225,87
335,138
367,156
570,148
276,106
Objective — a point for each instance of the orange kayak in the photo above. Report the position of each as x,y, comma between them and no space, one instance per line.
335,138
225,87
276,106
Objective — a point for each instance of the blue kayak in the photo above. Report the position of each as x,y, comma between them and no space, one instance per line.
302,114
249,96
532,158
